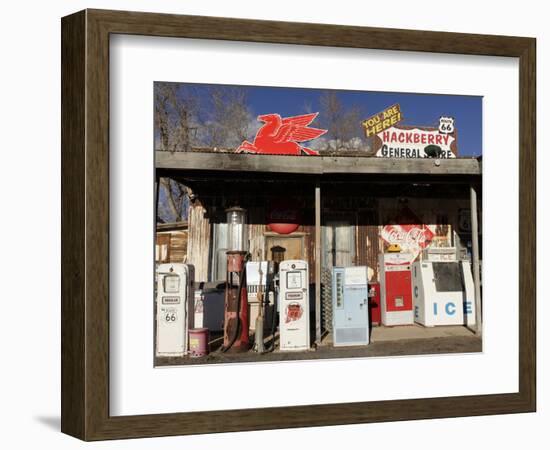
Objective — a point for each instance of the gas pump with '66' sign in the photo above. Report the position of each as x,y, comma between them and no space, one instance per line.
174,308
294,305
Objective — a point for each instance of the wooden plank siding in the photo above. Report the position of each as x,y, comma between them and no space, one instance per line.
178,246
367,241
198,247
174,244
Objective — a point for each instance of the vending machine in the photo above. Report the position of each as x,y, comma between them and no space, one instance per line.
174,307
395,288
443,292
350,306
293,305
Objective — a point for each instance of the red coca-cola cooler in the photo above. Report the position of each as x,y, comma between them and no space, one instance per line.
375,310
396,289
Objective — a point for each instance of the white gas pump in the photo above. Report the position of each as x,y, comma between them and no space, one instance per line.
175,311
443,290
293,305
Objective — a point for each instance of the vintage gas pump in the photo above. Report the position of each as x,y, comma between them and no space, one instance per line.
350,305
235,336
174,308
395,287
443,289
293,305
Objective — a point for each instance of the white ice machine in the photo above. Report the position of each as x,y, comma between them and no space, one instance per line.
443,293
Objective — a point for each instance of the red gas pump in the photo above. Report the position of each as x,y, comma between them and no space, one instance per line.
235,327
235,330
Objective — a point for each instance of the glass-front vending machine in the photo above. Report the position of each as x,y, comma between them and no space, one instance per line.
350,306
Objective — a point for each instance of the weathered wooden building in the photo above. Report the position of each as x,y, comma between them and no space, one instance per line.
347,210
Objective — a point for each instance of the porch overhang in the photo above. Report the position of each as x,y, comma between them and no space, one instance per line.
315,165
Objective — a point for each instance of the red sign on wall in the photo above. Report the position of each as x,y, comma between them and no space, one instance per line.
411,238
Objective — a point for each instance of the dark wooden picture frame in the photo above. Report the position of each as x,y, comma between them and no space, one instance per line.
85,224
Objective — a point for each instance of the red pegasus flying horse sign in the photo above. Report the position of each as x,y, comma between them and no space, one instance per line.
281,136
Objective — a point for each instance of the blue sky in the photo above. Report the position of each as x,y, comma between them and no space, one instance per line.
417,108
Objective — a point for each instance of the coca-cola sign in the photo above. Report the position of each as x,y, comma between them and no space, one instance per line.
411,238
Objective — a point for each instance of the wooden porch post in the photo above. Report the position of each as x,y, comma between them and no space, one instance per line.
475,258
157,188
318,263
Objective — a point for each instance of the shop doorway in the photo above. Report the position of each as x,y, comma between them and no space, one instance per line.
294,246
338,243
337,250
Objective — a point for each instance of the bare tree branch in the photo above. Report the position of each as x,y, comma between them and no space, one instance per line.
343,124
228,123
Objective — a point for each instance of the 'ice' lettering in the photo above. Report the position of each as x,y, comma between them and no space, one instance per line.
450,309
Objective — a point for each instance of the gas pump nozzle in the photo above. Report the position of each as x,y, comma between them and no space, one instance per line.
274,315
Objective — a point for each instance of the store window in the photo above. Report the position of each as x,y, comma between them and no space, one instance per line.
338,243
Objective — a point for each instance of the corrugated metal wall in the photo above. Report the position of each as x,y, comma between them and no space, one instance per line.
369,216
256,229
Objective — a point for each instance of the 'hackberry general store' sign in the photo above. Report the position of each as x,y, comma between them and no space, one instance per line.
417,142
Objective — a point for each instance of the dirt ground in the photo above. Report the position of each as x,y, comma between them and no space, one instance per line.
385,341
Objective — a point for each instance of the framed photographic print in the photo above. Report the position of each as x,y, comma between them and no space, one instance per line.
321,224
